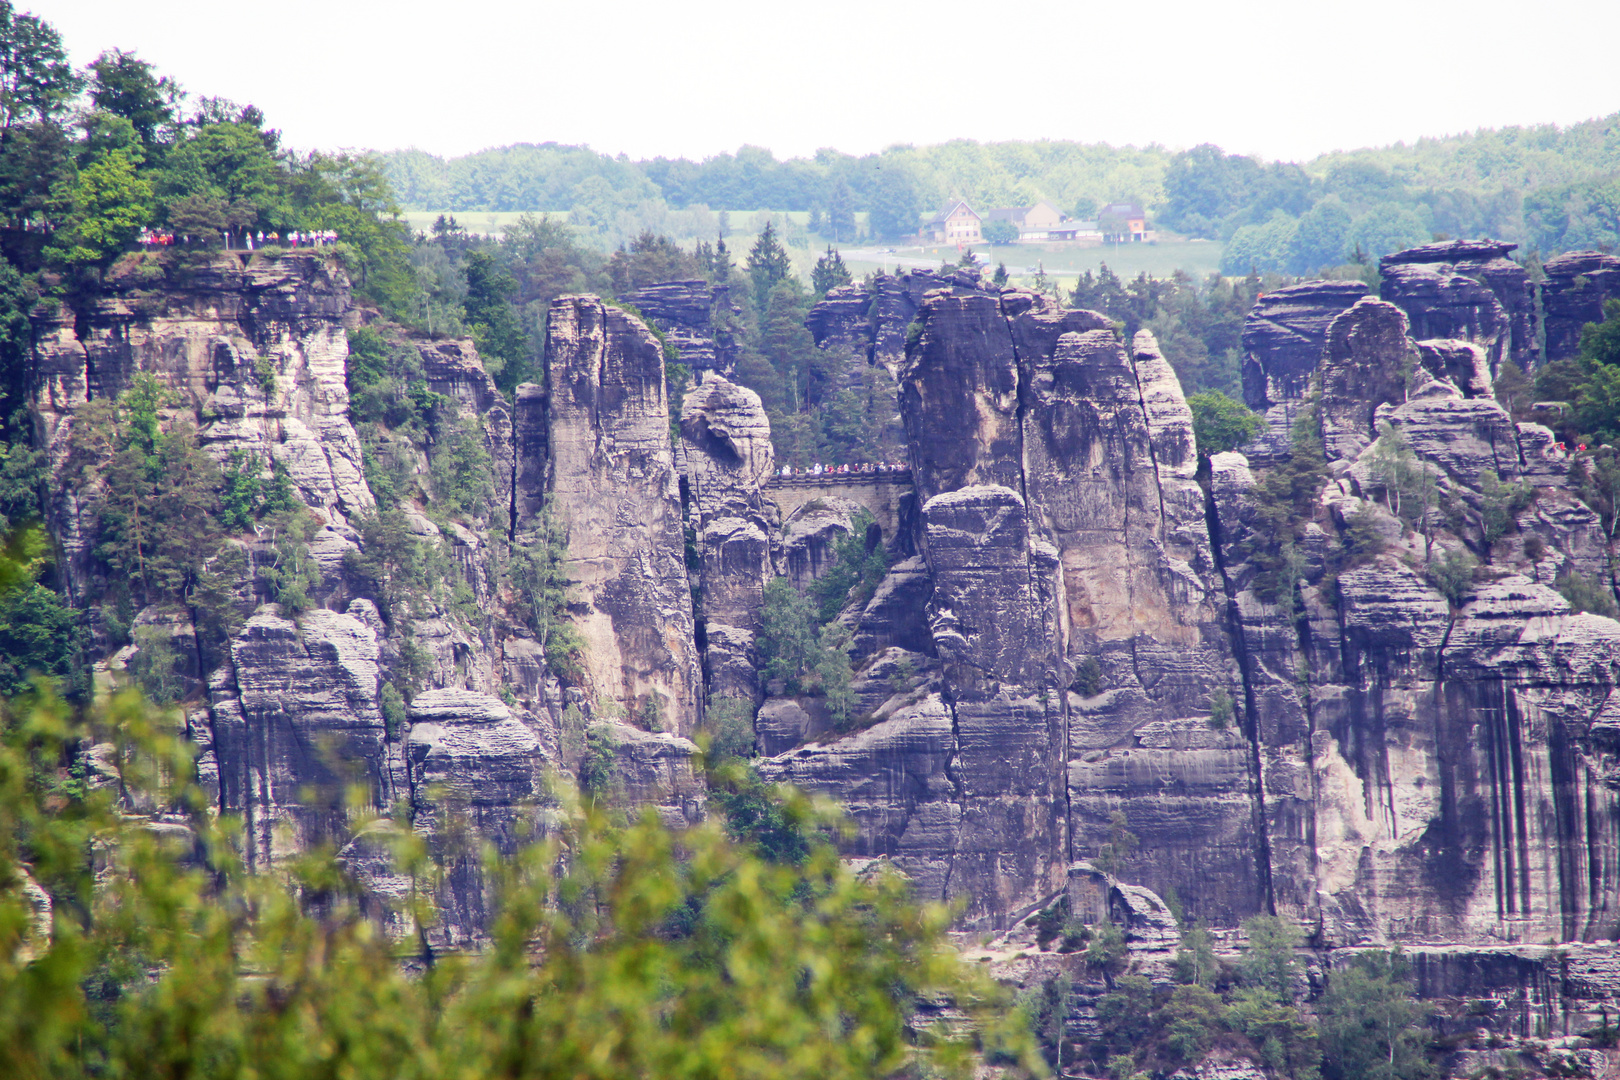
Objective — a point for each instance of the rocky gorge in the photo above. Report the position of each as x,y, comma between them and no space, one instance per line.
1251,661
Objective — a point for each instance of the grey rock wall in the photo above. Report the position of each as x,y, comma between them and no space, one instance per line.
612,483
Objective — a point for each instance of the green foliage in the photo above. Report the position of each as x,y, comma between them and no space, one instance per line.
787,642
1284,503
242,491
539,578
158,517
1221,424
1113,856
768,265
1500,506
1088,677
1222,710
728,723
1587,595
829,273
463,476
292,575
155,665
391,562
1370,1022
502,344
648,259
36,80
755,813
1198,324
853,574
599,768
1000,232
1106,950
832,671
1195,963
1452,574
1047,1007
392,703
40,636
643,953
107,204
1271,964
1125,1014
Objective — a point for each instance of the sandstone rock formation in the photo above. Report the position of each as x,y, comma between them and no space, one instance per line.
1578,282
686,312
254,352
1467,290
612,483
1283,340
729,459
1081,633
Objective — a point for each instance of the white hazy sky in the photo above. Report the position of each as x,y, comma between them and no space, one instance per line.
698,77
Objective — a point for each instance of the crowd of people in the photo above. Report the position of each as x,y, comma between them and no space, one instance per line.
819,469
150,238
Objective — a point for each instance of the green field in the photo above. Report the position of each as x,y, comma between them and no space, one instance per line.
1197,257
1159,259
478,221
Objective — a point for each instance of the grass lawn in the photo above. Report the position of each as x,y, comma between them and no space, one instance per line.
1197,257
477,221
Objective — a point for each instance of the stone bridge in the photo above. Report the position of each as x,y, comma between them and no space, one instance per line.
880,492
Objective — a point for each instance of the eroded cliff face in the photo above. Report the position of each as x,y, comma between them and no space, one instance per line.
254,351
1468,290
612,485
1081,632
1449,759
1062,531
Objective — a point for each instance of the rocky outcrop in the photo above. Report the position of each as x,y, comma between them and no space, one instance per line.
1467,290
729,459
1062,527
254,352
611,483
453,368
651,769
1367,364
1284,338
295,719
871,319
685,311
1578,282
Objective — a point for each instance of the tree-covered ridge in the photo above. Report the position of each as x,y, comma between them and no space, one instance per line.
1543,185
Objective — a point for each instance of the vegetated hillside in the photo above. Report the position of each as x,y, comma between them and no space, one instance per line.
1545,186
441,547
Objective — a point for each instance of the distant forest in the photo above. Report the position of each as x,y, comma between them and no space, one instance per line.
1546,187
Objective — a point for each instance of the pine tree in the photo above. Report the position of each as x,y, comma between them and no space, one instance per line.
768,264
829,273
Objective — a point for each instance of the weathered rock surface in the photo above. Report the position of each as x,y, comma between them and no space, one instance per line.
685,311
255,354
729,459
1358,375
1467,290
1578,282
613,486
295,718
1284,338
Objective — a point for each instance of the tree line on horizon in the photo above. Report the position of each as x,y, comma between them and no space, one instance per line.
1546,187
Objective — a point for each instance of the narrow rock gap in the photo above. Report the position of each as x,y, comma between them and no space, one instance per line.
1153,456
1251,721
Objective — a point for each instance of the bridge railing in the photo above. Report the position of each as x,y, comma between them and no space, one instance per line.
880,476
